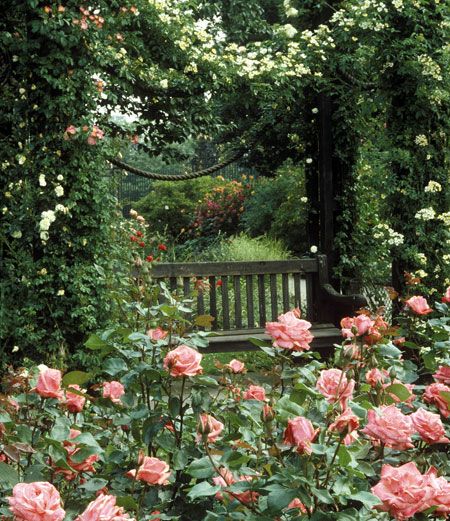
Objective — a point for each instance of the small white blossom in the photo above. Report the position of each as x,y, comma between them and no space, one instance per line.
425,214
313,249
60,177
421,140
60,293
309,161
433,186
59,191
15,349
304,199
164,84
42,181
16,234
290,30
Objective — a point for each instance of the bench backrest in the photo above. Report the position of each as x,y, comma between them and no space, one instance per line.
244,295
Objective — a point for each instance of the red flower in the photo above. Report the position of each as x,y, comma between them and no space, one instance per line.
219,283
142,244
139,233
162,247
133,238
149,258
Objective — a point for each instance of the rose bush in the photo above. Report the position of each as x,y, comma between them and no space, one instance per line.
146,435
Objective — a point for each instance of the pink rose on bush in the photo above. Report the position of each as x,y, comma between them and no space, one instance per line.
296,503
429,426
49,383
39,501
113,390
157,334
432,395
391,427
74,402
418,305
290,332
236,366
152,470
104,508
356,326
300,433
346,423
446,297
402,491
375,376
209,427
439,489
442,375
255,392
183,361
333,384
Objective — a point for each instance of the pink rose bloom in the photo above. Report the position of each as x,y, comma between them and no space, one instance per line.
255,392
71,129
402,491
113,390
210,427
300,433
39,501
248,496
72,449
157,334
104,508
442,375
290,332
333,384
374,376
224,479
183,361
49,383
391,427
352,351
419,305
362,323
446,297
236,366
351,437
345,423
296,503
439,487
74,402
153,471
432,395
429,426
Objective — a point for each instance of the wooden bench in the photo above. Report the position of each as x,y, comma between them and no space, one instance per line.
241,296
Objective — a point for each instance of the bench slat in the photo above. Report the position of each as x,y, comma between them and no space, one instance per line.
262,301
213,301
297,291
309,297
225,303
285,289
237,301
273,296
250,306
200,301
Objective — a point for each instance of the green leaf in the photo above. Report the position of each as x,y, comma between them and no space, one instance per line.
94,342
206,380
76,378
8,474
61,429
94,484
366,498
399,390
114,366
445,395
279,497
174,406
201,468
127,502
345,458
204,320
180,460
203,489
322,495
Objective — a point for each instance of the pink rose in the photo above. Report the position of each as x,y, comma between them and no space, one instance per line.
254,392
375,376
296,503
153,471
104,508
224,479
439,488
74,402
419,305
402,491
210,427
235,366
247,496
113,390
300,433
183,361
70,130
432,395
49,383
333,384
351,437
73,449
345,423
446,297
442,375
429,426
362,323
391,427
39,501
290,332
157,334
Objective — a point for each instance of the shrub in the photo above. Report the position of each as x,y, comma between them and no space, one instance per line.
278,208
170,206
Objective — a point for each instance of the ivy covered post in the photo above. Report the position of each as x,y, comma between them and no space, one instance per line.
416,85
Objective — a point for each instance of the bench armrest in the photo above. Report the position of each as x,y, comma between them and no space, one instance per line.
334,306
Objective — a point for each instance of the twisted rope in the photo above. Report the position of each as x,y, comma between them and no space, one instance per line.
177,177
